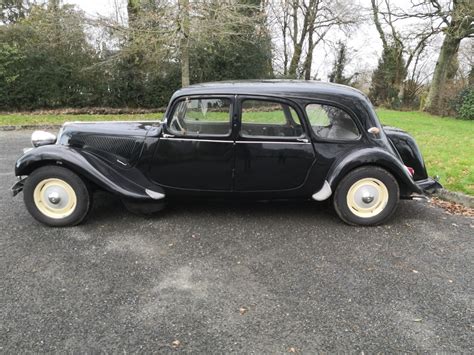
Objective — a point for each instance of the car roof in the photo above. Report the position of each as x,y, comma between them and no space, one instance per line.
282,88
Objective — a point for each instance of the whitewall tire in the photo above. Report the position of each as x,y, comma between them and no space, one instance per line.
56,196
366,196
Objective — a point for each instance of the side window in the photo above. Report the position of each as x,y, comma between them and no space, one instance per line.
331,122
195,117
264,118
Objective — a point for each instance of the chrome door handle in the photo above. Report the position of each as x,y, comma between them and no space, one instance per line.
165,135
304,140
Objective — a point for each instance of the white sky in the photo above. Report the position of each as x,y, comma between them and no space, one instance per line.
93,7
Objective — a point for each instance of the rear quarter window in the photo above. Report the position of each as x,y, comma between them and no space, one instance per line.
331,122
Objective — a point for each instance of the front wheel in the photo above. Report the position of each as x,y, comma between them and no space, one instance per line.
56,196
366,196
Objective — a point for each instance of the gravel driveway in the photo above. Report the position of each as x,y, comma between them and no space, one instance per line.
217,278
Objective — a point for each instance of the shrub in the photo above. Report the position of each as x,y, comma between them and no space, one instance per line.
466,110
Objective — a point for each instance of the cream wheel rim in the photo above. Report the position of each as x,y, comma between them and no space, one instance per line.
55,198
367,197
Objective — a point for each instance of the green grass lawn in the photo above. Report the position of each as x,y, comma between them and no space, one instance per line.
447,144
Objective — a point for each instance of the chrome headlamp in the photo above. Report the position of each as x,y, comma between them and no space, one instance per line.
39,138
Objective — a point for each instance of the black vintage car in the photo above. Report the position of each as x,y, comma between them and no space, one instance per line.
253,139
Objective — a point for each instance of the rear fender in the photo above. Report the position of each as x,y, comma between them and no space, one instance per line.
408,150
376,157
129,182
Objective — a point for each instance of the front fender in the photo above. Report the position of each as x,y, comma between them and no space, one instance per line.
377,157
129,183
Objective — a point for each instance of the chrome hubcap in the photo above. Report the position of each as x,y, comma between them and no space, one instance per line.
55,198
367,197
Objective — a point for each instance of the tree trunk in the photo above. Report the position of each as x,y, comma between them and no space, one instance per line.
285,48
295,59
184,43
447,53
309,56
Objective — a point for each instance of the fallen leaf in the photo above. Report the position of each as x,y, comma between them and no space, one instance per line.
175,344
450,281
243,310
418,320
292,350
453,208
415,272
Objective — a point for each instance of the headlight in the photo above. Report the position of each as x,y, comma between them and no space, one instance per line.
39,138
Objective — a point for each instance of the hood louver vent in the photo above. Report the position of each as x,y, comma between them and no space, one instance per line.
121,146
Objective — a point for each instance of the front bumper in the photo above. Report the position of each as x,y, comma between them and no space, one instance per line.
17,187
429,185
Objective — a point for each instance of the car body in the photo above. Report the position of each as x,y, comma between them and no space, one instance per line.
247,139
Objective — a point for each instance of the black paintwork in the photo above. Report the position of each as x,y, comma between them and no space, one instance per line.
408,150
129,157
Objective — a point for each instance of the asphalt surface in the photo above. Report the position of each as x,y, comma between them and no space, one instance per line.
214,277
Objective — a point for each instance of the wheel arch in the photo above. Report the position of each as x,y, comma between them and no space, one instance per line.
90,168
376,158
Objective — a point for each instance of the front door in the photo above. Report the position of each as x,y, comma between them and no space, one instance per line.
197,150
273,152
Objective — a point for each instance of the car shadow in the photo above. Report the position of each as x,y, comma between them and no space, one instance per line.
108,207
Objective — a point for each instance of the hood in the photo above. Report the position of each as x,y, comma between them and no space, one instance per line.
112,141
112,128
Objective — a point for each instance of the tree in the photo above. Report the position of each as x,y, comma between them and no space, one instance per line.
243,53
12,11
184,41
45,59
399,49
304,24
175,31
337,72
457,19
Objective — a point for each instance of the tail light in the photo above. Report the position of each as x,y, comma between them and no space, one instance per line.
410,170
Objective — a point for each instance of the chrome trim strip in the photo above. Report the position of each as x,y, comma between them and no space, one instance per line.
196,140
272,142
229,141
142,121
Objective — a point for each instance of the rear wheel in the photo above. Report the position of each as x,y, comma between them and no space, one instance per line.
366,196
56,196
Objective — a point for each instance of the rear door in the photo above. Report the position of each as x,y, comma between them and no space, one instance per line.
273,151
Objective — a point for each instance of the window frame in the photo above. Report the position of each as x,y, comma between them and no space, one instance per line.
293,105
349,112
178,100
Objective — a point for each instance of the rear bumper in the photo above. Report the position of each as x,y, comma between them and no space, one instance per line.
17,187
429,185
